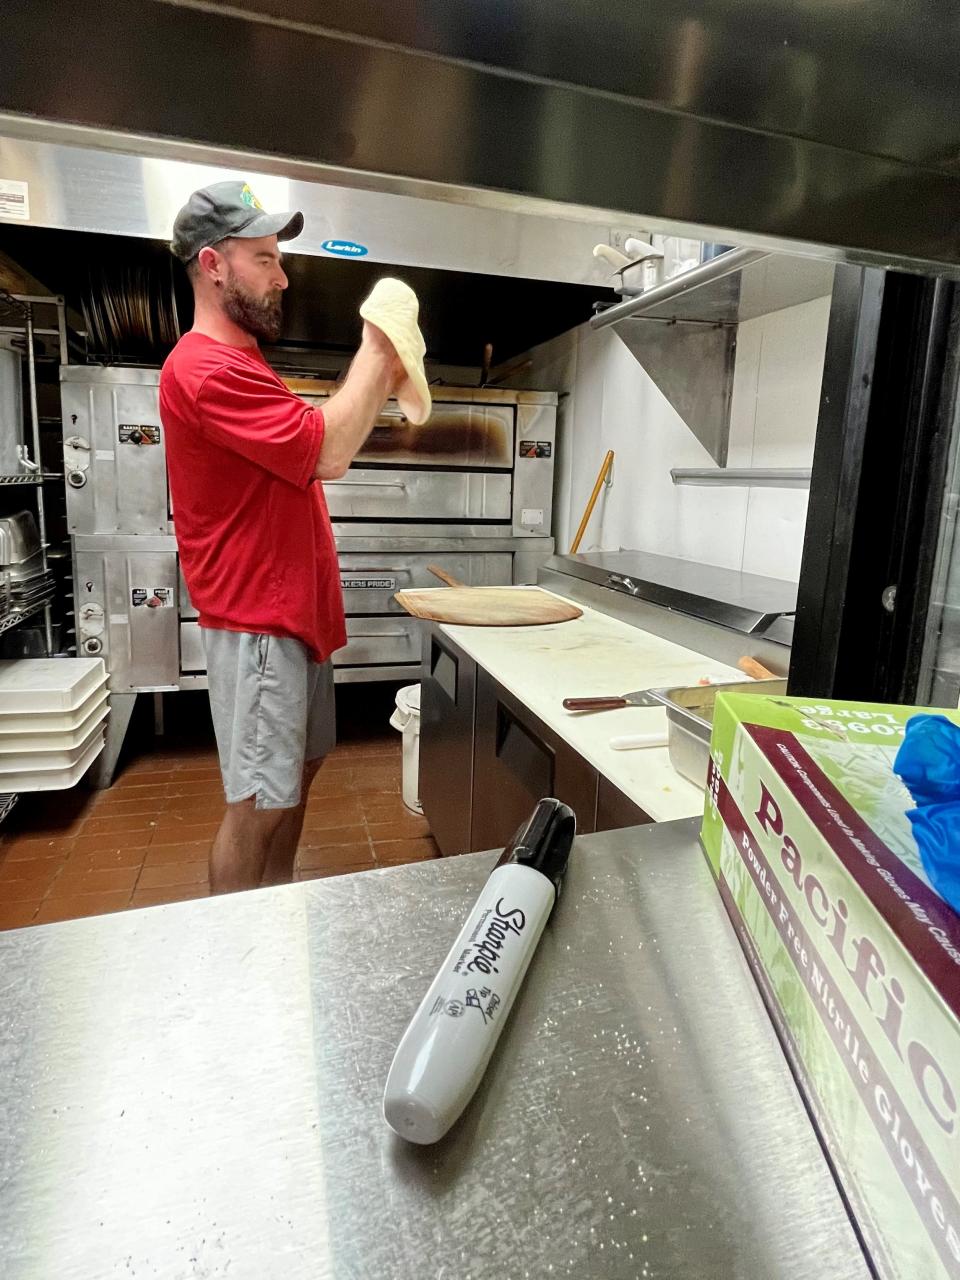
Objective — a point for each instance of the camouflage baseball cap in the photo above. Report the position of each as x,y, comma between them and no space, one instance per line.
223,210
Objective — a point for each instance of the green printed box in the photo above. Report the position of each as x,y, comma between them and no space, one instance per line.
806,831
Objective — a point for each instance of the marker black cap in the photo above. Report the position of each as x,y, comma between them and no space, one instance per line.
544,841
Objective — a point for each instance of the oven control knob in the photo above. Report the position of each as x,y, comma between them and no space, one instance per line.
91,619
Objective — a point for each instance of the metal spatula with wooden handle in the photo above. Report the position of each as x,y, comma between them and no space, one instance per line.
647,698
641,698
460,605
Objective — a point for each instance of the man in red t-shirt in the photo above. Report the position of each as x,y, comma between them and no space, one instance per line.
245,457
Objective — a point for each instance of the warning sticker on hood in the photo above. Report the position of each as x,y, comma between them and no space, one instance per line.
14,200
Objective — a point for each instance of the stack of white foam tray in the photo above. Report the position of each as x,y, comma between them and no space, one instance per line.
52,717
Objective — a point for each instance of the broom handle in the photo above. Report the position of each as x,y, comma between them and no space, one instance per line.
604,471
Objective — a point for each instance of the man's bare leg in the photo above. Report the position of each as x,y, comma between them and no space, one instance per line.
241,846
283,845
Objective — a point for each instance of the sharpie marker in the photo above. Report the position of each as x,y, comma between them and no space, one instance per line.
445,1049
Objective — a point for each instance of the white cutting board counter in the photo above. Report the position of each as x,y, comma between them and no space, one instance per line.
597,655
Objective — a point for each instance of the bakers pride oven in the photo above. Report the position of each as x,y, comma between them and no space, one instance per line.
470,491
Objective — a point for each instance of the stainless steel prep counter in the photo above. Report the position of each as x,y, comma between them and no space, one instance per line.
194,1091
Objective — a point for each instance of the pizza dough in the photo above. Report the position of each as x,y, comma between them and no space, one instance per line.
393,307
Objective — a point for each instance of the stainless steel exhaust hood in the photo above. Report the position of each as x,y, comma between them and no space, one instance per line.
765,122
96,190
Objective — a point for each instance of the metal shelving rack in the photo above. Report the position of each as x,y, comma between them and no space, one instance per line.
8,620
17,316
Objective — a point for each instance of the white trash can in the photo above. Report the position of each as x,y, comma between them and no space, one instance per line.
406,718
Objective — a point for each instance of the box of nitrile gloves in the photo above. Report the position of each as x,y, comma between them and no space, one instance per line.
858,958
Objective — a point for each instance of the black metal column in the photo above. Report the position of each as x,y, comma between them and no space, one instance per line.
877,487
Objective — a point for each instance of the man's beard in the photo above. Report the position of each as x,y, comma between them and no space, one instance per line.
262,317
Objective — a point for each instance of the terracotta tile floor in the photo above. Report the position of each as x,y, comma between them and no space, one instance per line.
146,840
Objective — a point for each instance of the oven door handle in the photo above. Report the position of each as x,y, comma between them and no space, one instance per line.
360,571
372,484
378,635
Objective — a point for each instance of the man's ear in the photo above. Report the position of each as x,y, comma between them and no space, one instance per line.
211,264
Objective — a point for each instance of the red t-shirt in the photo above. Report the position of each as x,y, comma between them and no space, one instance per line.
256,546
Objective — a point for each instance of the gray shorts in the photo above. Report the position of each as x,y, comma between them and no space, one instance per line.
273,709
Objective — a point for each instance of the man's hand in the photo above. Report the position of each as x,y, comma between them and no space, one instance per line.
380,346
350,413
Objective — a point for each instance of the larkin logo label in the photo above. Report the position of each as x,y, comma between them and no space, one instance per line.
485,949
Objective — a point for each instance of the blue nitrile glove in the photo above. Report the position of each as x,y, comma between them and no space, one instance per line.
936,829
929,764
929,759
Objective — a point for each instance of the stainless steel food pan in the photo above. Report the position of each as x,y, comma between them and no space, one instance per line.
690,721
19,539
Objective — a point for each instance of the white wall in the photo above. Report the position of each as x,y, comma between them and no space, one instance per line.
609,402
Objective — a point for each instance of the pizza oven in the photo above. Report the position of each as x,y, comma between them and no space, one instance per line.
471,491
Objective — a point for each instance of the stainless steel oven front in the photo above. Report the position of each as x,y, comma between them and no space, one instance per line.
470,491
